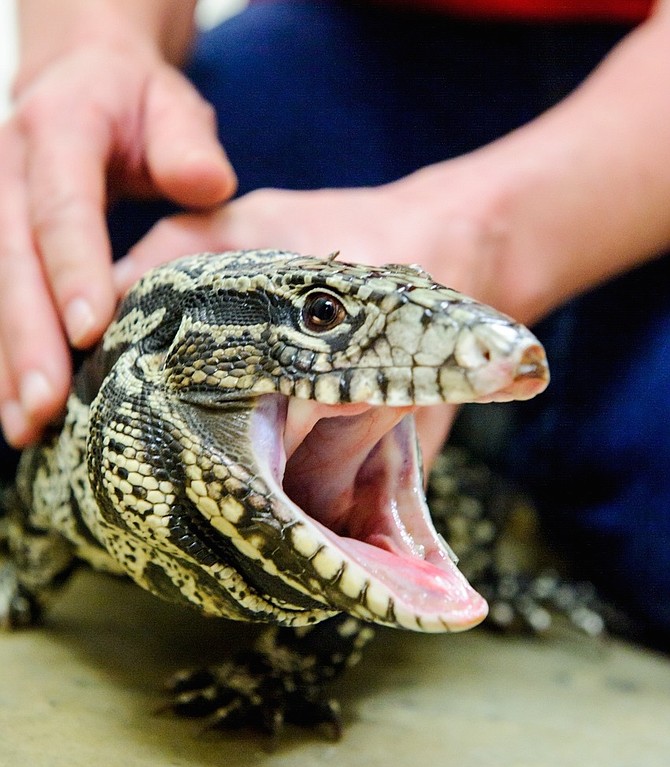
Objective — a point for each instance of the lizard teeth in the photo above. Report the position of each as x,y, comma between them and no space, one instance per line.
353,582
327,564
450,552
375,602
378,600
304,542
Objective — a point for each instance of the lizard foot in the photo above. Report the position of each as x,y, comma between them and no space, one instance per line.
282,680
250,693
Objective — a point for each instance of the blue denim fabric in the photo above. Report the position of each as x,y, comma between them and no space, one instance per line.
595,448
313,94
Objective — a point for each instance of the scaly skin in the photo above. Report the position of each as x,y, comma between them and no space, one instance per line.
242,442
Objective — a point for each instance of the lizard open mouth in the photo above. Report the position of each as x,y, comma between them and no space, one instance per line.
347,480
350,477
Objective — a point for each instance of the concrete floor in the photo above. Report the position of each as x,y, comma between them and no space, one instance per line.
83,690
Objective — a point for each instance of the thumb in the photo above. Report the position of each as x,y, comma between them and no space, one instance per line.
169,238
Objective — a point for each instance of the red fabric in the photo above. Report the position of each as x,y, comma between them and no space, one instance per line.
564,10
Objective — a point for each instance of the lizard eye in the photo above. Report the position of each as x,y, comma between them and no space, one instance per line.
322,311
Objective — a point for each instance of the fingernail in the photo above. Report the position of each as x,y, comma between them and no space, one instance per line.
14,424
218,172
35,392
79,320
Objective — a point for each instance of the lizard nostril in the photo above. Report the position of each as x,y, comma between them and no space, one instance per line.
533,364
473,351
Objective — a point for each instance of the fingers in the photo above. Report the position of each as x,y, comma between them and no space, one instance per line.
263,218
187,163
94,119
34,361
184,157
66,198
15,426
159,131
317,222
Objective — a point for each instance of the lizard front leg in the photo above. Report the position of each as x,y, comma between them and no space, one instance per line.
281,680
38,564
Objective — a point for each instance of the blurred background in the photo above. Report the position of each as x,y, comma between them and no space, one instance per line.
209,13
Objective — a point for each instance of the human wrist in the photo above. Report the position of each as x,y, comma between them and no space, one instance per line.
492,225
460,214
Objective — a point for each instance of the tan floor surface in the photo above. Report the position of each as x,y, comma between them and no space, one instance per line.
82,691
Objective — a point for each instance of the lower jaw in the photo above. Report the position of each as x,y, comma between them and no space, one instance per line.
414,585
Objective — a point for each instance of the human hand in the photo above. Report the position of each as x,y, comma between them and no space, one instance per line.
388,224
96,120
410,221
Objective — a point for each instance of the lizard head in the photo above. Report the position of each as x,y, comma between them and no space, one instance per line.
253,444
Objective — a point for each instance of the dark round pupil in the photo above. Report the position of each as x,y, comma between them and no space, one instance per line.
323,310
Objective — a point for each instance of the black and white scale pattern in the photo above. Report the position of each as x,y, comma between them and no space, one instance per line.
154,473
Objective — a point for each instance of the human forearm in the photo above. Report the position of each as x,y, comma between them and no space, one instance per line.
47,29
524,223
598,174
574,197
